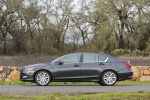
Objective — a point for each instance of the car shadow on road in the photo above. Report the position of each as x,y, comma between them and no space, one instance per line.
67,85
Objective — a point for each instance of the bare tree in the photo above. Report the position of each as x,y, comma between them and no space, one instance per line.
81,21
8,8
60,20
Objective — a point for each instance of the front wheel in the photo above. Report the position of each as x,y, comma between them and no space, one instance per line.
109,78
42,78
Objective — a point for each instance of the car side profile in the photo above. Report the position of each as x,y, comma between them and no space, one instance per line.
79,67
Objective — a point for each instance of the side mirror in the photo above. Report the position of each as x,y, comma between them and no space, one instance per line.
59,63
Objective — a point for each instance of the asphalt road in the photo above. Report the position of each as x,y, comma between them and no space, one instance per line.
34,89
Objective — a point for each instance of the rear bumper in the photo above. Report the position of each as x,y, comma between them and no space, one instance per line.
125,76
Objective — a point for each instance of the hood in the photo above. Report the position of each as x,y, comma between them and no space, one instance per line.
38,65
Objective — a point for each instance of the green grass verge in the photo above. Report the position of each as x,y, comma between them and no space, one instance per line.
127,82
96,96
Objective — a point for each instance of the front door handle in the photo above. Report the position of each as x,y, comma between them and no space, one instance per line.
76,66
101,64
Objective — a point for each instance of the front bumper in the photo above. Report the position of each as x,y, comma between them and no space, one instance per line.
27,76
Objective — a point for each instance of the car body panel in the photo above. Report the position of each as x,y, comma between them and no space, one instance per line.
91,70
79,71
66,71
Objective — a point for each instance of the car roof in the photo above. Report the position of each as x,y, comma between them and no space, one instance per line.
88,52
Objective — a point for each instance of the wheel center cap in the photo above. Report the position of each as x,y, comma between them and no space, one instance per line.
42,78
109,78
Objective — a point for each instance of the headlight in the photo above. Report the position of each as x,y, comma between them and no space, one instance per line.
29,69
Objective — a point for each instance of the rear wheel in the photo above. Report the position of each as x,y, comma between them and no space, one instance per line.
109,78
42,78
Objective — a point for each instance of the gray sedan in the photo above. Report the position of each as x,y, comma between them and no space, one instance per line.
79,67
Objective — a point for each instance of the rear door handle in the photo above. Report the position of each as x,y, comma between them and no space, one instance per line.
76,66
101,64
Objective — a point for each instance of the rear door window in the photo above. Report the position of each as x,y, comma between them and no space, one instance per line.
93,57
90,57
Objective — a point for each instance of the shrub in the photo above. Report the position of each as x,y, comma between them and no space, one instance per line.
123,52
120,52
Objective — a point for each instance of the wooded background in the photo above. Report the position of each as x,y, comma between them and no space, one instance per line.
62,26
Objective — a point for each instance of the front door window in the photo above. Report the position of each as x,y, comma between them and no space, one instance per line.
72,58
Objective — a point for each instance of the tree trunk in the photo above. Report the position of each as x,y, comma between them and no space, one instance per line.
4,45
121,43
83,38
40,42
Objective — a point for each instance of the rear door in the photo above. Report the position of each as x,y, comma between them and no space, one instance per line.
91,66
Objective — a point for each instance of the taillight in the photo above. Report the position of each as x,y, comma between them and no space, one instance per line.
127,64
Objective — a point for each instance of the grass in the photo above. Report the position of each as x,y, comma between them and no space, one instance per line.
127,82
15,83
96,96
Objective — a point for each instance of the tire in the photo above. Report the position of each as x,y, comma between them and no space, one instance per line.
42,78
101,83
109,78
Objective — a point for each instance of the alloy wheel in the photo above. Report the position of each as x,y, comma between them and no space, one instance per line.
42,78
109,78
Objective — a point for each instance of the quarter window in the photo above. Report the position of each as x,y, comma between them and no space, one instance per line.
102,58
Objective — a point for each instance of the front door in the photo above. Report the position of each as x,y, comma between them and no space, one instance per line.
69,69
